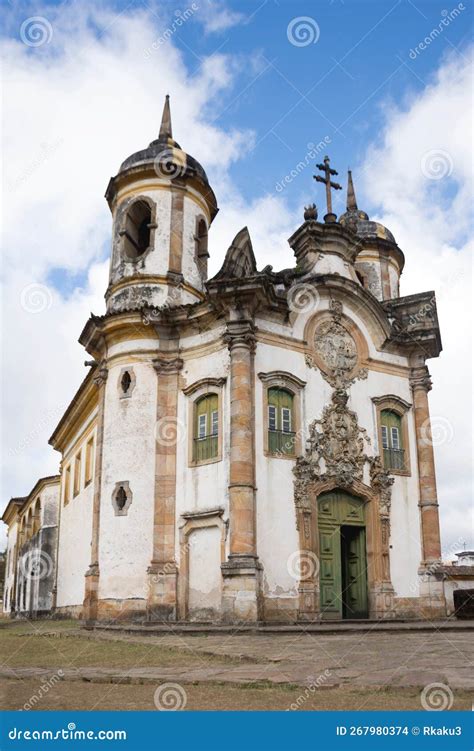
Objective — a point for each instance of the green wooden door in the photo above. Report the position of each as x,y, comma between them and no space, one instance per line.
343,563
354,575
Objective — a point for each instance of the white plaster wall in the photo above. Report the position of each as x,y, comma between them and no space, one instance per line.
203,486
10,569
125,547
205,580
74,550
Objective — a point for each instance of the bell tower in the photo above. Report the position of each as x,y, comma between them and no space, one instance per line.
162,207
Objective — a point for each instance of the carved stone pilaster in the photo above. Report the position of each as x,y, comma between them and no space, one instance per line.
100,376
240,333
420,379
167,365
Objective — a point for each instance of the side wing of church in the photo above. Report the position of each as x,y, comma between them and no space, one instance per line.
255,446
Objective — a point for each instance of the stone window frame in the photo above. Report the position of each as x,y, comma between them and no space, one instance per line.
201,254
125,208
204,518
198,389
283,380
89,460
401,408
77,480
128,492
133,381
67,484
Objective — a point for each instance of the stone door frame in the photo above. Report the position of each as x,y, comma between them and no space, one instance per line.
379,587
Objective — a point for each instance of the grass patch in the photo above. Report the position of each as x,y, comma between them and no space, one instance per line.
88,696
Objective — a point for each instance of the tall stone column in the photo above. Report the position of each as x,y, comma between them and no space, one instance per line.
242,571
162,602
421,383
91,595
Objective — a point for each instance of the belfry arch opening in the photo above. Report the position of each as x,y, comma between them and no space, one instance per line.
137,230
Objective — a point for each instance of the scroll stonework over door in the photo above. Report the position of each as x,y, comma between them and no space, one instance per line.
336,457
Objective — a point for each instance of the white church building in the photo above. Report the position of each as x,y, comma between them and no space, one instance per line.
251,447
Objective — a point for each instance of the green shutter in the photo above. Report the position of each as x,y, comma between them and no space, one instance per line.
205,441
393,450
281,439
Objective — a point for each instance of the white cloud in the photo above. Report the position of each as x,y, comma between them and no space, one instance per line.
430,216
217,17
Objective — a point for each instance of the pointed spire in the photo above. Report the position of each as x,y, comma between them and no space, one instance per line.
165,127
351,204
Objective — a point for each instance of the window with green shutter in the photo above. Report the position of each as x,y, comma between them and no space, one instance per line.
281,437
206,428
392,446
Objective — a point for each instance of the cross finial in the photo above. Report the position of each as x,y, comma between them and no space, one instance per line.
330,217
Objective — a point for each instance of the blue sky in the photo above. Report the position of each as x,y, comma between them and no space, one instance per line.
246,102
292,95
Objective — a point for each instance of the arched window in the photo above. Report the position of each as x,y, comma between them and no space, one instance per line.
37,516
392,440
201,247
206,428
137,230
281,435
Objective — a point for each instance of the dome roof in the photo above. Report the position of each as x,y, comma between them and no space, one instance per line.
166,154
359,221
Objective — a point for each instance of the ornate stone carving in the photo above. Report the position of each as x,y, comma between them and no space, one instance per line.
381,481
335,351
336,449
167,366
338,440
101,376
420,378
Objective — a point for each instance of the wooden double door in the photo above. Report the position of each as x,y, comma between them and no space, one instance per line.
342,556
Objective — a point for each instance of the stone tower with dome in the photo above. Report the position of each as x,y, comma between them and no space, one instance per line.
250,447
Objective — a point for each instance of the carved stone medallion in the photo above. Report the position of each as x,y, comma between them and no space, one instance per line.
335,347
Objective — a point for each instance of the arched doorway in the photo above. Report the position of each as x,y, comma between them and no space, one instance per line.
343,558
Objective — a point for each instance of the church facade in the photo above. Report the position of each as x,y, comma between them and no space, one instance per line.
251,447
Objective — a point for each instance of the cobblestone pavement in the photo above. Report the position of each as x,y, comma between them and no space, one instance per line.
357,659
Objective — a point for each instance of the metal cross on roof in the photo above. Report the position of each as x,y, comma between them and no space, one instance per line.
329,184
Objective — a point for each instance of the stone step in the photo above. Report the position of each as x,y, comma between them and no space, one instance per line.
159,627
